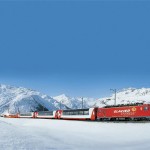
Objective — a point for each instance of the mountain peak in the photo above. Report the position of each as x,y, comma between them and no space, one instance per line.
61,97
21,99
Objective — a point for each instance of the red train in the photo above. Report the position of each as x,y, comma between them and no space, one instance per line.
138,111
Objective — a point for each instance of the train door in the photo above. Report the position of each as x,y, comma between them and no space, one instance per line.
94,114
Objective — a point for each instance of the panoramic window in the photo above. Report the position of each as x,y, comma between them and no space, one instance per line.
76,112
28,114
49,113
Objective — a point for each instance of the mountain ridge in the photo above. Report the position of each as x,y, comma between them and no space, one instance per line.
14,99
19,99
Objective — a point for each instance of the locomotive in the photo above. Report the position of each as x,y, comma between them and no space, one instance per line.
137,111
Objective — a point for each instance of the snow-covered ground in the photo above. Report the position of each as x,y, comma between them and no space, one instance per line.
32,134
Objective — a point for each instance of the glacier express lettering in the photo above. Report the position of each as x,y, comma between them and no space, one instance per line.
122,111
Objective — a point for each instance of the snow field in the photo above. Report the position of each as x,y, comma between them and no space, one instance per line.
45,134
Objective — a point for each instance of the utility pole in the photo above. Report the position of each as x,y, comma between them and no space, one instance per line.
82,102
115,91
60,104
18,110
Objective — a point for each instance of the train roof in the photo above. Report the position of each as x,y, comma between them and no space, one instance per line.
47,111
123,105
68,110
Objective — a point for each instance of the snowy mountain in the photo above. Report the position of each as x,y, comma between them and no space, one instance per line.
126,96
74,102
19,99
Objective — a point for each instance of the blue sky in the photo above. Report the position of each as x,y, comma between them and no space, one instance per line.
78,48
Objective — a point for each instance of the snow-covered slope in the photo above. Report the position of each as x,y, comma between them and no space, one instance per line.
19,99
126,96
75,102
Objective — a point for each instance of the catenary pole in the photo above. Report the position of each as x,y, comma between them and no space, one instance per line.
115,91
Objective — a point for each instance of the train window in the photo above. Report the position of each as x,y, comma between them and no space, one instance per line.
28,114
71,113
65,113
145,108
81,112
48,113
75,112
86,112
